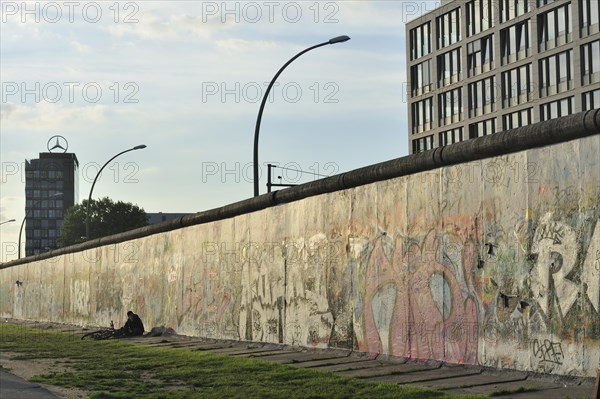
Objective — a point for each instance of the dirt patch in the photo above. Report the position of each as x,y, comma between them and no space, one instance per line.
32,367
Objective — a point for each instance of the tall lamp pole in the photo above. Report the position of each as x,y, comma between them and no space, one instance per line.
339,39
87,211
27,213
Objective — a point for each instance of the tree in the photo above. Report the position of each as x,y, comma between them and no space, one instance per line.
106,218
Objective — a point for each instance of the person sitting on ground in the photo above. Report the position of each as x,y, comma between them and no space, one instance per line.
133,326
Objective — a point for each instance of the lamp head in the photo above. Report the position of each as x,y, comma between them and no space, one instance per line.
139,147
339,39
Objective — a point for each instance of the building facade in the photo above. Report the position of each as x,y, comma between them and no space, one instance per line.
476,67
51,187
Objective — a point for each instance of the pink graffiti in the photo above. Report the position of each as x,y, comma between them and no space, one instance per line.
431,312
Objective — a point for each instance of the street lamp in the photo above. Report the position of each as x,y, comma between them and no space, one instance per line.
339,39
27,213
8,221
87,211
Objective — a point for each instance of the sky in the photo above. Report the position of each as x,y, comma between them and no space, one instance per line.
186,79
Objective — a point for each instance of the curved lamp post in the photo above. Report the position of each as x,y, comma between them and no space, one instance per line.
87,211
8,221
339,39
57,195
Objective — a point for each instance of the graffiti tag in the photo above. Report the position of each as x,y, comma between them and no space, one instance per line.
548,351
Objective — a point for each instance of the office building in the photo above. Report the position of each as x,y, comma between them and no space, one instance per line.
51,187
476,67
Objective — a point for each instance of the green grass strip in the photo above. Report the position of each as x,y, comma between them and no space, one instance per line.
117,369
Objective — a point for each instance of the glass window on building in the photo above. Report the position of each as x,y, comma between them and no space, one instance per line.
450,107
556,73
516,86
541,3
589,17
482,128
515,42
555,27
420,41
511,9
480,55
451,136
556,109
590,100
448,28
590,63
448,67
422,144
420,78
422,115
517,119
480,16
482,96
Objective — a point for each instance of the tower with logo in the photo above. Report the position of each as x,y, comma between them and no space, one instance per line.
51,187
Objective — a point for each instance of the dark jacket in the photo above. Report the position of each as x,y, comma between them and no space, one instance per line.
134,326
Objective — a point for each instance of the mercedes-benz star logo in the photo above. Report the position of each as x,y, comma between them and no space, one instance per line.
57,143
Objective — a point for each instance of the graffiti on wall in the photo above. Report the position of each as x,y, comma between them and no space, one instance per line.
565,270
421,295
435,296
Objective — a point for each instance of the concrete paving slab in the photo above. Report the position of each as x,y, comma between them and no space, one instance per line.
207,348
474,380
195,344
353,366
428,375
510,388
557,393
240,350
385,370
332,362
298,357
268,354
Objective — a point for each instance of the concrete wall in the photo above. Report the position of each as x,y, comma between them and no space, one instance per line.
493,262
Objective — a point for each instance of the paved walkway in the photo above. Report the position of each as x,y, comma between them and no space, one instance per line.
13,387
450,378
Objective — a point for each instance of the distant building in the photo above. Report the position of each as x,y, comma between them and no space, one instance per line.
45,207
159,217
476,67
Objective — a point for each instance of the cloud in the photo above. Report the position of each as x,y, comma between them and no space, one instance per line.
180,27
232,46
44,115
79,47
